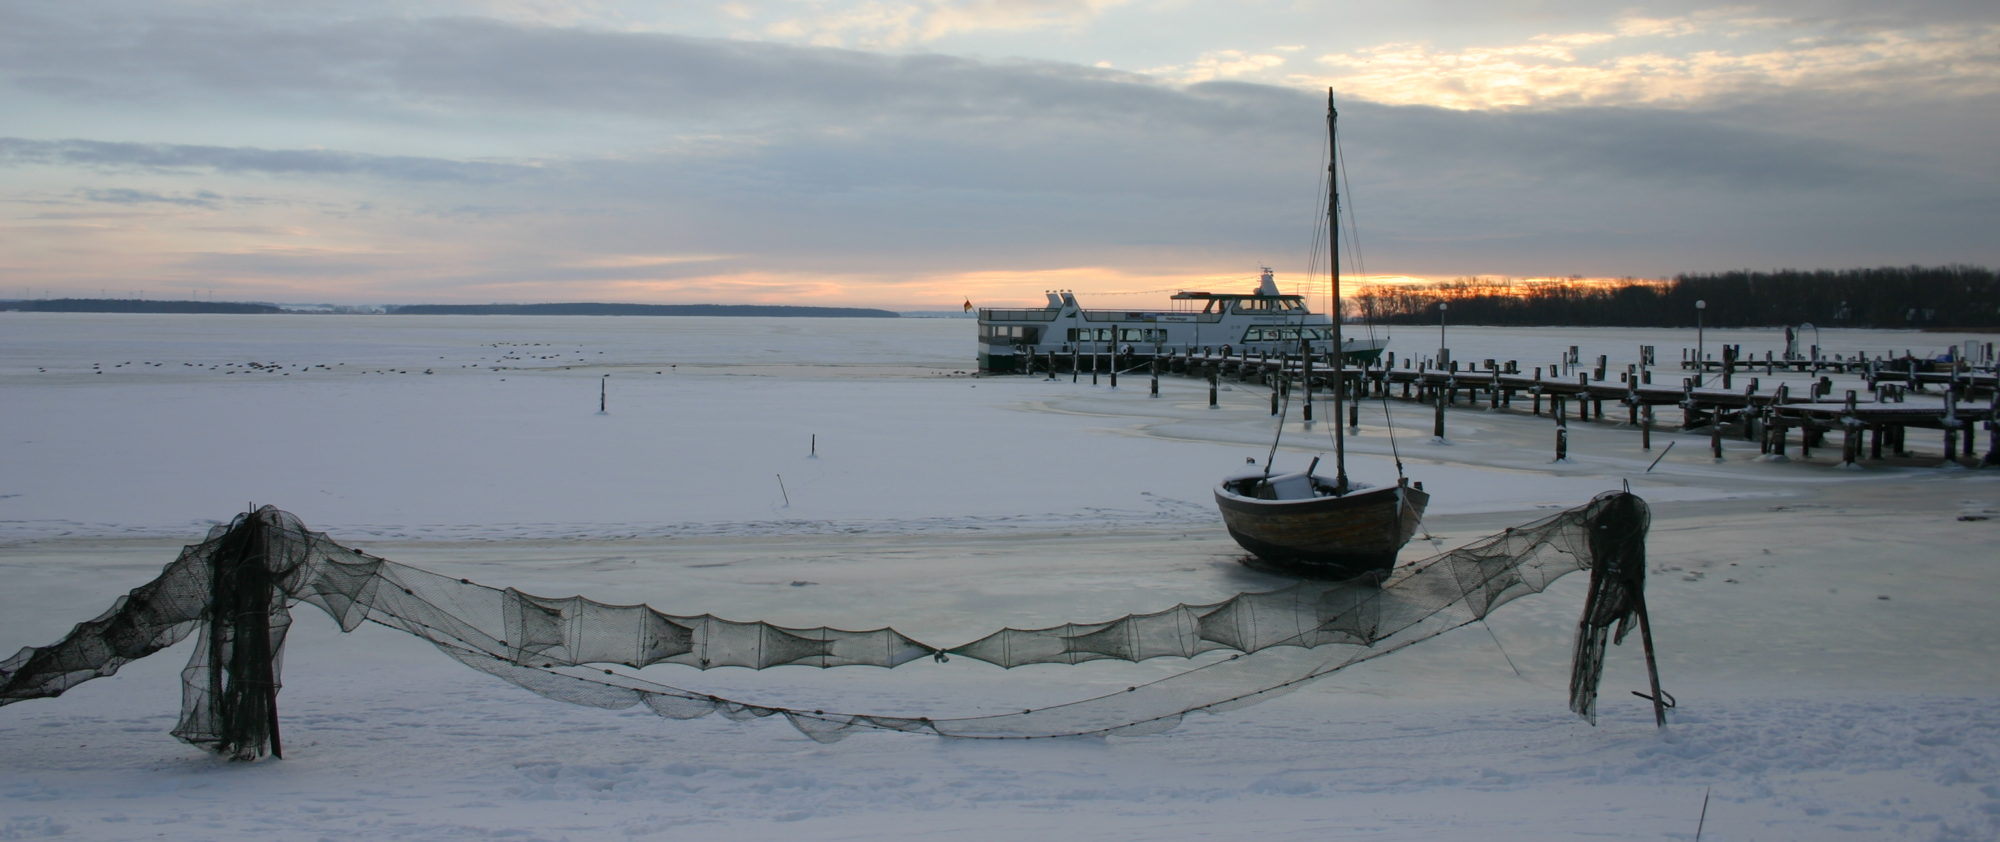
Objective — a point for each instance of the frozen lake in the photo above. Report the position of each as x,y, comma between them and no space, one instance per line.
1827,631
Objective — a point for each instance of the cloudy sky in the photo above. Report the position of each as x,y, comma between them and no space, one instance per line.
911,154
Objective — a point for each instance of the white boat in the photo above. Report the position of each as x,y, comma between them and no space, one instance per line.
1323,526
1264,320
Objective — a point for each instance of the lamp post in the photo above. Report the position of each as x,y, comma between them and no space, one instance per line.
1444,351
1700,358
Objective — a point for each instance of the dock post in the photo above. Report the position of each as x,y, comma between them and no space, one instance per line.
1850,440
1562,427
1156,376
1306,381
1646,427
1437,419
1214,375
1993,424
1583,397
1751,412
1949,422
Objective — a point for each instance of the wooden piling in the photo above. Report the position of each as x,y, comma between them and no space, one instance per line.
1562,428
1437,419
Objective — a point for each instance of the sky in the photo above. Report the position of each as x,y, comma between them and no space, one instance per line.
917,154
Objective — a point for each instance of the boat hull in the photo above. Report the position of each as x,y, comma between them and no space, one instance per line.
1355,535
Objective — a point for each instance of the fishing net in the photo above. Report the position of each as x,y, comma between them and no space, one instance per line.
236,586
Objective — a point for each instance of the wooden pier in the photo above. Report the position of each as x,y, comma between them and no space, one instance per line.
1883,417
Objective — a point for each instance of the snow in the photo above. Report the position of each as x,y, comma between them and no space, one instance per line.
1827,633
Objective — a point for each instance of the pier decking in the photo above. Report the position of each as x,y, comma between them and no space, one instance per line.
1717,395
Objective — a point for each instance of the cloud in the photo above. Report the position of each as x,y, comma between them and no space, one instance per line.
1703,59
129,196
1221,64
165,157
876,24
497,155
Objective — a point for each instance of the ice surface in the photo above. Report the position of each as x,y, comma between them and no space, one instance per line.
1828,632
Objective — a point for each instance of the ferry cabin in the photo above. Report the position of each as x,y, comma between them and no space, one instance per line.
1263,321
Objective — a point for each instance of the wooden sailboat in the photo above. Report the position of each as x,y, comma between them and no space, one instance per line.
1321,526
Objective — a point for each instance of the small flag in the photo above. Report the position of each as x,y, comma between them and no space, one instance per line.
968,305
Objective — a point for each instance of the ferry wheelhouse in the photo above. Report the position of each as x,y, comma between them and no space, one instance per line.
1202,322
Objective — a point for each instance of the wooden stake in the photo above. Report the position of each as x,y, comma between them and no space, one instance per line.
1661,701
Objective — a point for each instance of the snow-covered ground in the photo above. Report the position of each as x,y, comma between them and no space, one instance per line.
1828,632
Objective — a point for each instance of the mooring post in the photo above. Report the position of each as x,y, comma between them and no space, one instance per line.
1306,380
1437,419
1562,427
1214,375
1949,422
1752,414
1646,427
1850,442
1715,432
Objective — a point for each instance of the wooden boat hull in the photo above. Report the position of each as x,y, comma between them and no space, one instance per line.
1343,537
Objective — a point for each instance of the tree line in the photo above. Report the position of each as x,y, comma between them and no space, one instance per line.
1890,297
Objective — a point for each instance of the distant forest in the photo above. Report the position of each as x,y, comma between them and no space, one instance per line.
1940,297
639,310
134,305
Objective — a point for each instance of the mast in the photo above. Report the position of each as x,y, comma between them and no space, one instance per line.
1339,349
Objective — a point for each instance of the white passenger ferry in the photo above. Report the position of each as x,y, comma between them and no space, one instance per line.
1202,322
